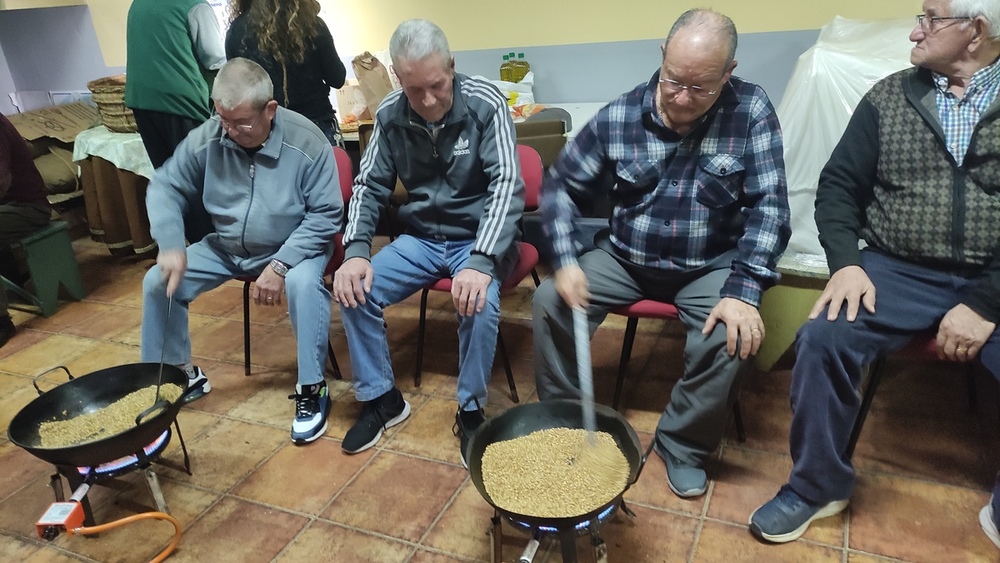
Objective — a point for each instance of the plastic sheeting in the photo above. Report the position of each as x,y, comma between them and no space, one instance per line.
829,80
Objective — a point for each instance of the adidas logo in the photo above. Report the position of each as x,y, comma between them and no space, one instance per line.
462,147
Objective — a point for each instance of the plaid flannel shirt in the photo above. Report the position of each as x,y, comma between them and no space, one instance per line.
679,202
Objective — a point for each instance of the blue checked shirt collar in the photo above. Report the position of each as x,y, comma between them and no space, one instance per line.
959,116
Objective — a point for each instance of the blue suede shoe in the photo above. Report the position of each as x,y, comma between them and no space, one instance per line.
787,516
684,479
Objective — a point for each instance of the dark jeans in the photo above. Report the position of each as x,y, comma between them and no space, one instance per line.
830,360
162,132
331,130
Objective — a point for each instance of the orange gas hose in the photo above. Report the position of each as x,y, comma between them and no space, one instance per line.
84,530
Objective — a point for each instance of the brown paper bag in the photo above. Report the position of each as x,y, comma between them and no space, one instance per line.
373,79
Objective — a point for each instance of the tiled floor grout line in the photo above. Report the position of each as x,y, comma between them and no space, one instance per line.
700,522
447,505
846,532
347,484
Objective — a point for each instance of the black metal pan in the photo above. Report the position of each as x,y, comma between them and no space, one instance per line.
524,419
88,393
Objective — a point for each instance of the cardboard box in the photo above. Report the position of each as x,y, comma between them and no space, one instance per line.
59,122
351,106
546,137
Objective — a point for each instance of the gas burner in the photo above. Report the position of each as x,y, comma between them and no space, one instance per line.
81,478
581,528
566,534
128,463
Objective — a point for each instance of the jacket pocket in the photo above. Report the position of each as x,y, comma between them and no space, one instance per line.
719,180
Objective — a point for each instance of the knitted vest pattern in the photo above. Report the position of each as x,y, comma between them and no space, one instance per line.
925,208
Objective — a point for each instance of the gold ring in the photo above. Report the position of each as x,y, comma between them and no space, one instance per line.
960,350
755,330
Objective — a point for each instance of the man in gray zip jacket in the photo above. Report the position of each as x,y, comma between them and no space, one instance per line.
264,178
449,138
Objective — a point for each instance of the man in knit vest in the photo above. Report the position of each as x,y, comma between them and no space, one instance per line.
917,177
173,47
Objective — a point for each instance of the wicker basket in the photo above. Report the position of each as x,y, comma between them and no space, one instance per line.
109,95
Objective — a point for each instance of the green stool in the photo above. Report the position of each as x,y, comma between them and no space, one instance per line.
51,262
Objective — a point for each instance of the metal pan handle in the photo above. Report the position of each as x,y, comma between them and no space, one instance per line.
163,404
158,406
642,462
34,380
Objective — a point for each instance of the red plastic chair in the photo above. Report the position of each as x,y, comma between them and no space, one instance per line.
531,173
923,347
345,175
651,309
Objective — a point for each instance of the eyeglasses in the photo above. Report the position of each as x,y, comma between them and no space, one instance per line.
242,128
674,88
929,24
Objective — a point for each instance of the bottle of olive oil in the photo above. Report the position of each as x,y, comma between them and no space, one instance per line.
505,73
520,68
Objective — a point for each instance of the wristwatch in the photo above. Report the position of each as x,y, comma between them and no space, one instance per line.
279,267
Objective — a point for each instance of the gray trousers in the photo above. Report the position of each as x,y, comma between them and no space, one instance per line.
694,420
16,221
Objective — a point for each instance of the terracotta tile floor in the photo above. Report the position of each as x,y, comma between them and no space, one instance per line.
925,461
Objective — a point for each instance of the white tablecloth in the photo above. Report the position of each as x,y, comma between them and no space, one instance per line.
124,150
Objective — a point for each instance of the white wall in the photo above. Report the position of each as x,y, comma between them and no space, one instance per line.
49,49
6,85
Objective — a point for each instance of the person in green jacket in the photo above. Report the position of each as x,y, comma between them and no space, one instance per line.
173,49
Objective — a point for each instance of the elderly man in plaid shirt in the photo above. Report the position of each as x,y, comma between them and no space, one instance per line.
692,162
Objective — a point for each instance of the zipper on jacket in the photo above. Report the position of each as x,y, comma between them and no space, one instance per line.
246,217
958,214
437,158
434,148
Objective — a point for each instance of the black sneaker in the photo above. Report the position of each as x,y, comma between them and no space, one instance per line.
7,328
466,422
197,378
312,408
377,416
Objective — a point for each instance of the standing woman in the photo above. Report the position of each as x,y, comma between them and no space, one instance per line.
291,42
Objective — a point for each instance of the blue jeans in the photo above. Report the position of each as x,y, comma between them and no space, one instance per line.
208,268
830,359
405,266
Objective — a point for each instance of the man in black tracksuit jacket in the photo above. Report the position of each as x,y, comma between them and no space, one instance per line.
449,138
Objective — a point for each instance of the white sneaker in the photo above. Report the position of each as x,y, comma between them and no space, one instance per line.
312,408
989,523
196,378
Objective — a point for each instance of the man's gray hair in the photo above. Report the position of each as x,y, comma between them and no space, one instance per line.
989,9
417,39
712,21
242,80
